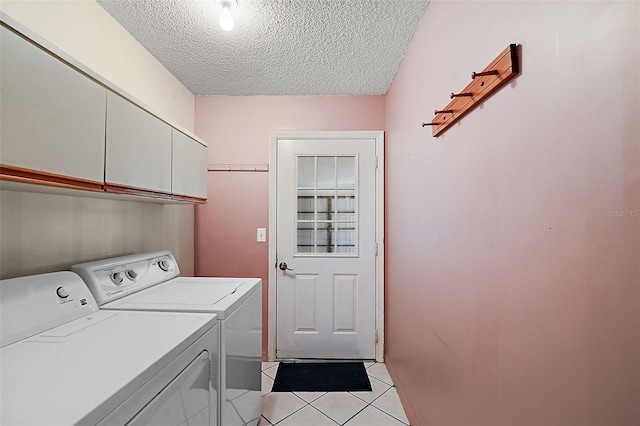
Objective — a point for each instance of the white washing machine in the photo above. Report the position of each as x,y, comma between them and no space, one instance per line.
151,282
64,362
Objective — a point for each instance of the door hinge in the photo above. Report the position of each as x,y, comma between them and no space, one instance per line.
376,249
376,161
376,336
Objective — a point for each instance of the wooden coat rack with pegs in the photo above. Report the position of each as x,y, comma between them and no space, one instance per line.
483,84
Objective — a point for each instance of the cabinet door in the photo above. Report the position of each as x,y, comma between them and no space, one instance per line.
52,116
138,150
189,172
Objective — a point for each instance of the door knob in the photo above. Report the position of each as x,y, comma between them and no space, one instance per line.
283,267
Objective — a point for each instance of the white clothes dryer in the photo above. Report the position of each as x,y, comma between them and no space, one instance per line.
151,282
65,362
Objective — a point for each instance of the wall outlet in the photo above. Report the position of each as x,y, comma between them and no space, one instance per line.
261,235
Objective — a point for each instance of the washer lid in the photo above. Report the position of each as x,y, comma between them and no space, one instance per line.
185,294
30,305
81,371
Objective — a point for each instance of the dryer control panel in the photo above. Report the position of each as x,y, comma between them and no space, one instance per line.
111,279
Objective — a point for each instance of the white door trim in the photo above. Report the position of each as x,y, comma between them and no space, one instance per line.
273,173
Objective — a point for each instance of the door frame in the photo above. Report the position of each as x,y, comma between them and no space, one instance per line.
378,136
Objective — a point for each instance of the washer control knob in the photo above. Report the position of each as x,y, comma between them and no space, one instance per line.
131,274
63,293
116,278
164,264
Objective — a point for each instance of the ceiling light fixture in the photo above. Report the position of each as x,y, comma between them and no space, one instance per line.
226,20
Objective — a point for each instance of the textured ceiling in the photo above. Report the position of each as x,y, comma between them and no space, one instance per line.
278,47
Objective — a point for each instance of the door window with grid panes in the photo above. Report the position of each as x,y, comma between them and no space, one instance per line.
327,216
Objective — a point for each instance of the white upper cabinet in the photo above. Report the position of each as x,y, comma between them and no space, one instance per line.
189,172
52,116
64,126
138,149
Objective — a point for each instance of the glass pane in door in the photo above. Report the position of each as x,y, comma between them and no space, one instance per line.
327,216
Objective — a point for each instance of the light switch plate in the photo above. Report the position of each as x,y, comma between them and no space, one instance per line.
261,235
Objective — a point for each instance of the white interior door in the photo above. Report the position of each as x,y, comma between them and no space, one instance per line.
326,248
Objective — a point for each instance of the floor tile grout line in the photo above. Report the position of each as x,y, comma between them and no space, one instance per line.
310,403
314,400
379,396
363,408
266,420
382,393
292,413
267,374
382,380
324,414
349,419
370,402
390,415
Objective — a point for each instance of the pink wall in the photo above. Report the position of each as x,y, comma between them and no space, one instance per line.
237,129
512,297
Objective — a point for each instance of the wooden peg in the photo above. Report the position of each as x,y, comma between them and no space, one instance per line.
504,67
480,74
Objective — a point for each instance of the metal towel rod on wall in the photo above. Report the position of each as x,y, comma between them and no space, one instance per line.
238,167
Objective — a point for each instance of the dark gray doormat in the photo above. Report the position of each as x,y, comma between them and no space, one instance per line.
321,377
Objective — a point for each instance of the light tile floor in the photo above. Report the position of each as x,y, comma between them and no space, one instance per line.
380,407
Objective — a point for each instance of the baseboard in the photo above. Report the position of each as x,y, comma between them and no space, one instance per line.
408,409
